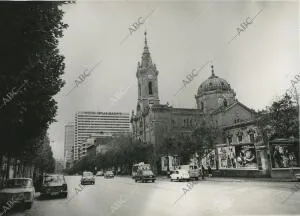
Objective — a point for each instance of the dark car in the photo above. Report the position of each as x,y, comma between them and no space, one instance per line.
144,176
54,185
87,178
109,174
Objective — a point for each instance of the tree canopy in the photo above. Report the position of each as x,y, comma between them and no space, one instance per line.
31,71
200,141
123,151
281,120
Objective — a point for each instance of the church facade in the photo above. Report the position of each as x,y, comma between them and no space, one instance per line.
216,106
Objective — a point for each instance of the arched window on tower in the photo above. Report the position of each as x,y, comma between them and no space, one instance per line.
150,88
201,106
140,91
225,102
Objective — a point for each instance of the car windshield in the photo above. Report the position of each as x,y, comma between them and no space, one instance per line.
109,172
19,183
183,171
53,179
87,174
147,172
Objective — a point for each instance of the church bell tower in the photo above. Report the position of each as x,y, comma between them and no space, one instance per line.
147,75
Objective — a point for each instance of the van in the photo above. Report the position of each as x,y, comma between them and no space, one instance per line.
193,170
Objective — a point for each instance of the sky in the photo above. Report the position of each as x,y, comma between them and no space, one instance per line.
258,63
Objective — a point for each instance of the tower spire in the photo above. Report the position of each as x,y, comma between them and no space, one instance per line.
146,43
212,70
146,58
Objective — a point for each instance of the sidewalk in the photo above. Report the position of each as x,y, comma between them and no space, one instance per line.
239,179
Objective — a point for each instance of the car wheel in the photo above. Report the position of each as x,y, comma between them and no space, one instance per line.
196,178
28,205
153,180
65,195
135,180
171,180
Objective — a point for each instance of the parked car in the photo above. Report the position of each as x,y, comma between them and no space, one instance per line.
87,178
18,191
109,174
54,185
144,176
297,176
180,175
100,173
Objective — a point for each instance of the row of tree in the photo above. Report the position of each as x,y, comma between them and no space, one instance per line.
31,70
123,152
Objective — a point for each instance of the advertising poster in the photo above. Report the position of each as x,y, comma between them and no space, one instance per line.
227,157
209,160
164,163
246,156
284,155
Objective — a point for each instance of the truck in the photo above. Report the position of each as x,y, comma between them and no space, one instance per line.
193,170
139,166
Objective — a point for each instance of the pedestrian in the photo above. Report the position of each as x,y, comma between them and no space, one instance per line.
209,171
202,171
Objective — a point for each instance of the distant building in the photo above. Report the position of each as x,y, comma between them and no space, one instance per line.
69,143
90,123
95,144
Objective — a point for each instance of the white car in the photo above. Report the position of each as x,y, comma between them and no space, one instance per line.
180,175
18,190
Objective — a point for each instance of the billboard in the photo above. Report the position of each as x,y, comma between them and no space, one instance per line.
246,156
239,156
170,163
209,160
226,156
284,155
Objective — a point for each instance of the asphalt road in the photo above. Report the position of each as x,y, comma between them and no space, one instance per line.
122,196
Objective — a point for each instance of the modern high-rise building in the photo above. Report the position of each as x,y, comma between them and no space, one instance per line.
69,143
91,123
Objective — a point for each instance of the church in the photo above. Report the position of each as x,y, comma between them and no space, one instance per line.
216,105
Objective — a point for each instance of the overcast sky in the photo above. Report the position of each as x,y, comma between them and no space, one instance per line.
258,63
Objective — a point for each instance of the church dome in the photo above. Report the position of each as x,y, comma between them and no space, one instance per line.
213,83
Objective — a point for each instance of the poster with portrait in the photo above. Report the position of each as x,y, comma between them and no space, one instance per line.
284,155
209,160
226,156
246,156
